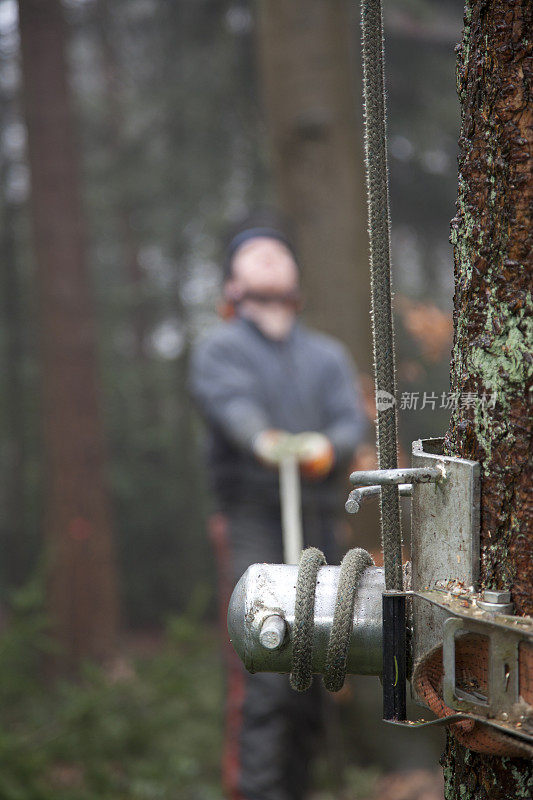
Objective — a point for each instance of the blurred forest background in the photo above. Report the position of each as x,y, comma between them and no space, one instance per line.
185,114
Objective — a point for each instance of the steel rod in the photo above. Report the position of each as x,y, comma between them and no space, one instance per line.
391,477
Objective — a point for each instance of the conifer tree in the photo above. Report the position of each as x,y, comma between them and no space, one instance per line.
81,587
492,238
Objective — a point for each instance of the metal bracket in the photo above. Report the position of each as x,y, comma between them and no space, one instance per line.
502,690
502,708
444,537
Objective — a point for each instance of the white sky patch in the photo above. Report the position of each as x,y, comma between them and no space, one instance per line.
239,19
9,15
14,139
401,148
18,183
9,44
407,258
202,285
9,76
167,340
437,162
75,3
159,268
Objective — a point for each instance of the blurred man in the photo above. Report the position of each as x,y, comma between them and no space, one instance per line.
259,377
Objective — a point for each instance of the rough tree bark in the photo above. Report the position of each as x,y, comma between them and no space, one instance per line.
81,579
309,92
493,241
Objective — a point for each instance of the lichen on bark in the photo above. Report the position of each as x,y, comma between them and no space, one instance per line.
492,365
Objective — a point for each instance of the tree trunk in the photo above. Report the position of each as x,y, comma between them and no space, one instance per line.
81,579
14,543
493,242
123,209
145,401
309,91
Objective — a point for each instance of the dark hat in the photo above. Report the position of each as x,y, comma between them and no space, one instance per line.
264,223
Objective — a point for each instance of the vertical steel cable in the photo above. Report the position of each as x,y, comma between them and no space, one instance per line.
382,325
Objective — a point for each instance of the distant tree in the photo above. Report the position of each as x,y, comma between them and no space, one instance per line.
81,591
493,244
123,210
308,76
14,544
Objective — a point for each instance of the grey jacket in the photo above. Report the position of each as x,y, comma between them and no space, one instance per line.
245,382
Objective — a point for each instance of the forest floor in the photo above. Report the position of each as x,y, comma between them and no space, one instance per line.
148,727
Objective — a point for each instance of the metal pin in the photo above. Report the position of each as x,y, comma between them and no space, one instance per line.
273,632
356,496
390,477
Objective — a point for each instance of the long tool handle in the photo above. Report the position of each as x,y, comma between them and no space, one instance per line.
291,509
382,327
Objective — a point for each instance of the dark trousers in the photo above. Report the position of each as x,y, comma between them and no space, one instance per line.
272,732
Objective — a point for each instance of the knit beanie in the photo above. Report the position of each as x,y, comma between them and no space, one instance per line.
262,223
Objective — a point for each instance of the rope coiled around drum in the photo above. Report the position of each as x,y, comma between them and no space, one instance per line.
352,567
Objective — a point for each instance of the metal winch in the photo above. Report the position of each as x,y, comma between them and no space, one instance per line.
262,611
443,610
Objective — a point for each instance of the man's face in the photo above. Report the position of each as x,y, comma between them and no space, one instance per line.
263,266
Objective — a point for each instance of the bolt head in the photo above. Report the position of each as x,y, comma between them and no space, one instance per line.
496,596
270,639
352,506
272,634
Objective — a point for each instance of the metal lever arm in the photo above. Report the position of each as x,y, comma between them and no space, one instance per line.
370,482
394,477
356,496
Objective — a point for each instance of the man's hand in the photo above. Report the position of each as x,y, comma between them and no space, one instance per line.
271,445
313,451
315,454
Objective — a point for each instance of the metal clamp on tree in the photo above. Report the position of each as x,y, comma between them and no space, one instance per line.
469,659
